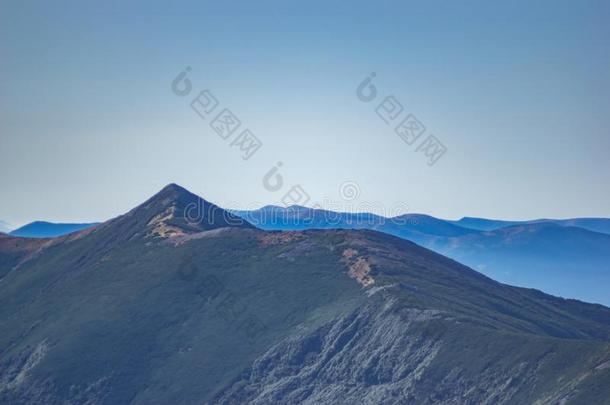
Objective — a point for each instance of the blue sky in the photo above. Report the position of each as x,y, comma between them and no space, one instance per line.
518,93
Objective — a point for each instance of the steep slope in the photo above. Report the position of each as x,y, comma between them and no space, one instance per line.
15,250
173,211
564,260
150,308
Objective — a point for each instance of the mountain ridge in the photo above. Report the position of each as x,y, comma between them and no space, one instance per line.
576,269
120,313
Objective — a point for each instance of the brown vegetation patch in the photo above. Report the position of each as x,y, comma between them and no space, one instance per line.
160,227
279,238
359,267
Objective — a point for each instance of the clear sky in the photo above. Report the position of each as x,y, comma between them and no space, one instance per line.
518,92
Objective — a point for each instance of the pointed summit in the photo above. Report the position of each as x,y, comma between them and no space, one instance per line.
174,211
173,187
172,194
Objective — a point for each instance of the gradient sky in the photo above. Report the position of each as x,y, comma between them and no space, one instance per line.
519,94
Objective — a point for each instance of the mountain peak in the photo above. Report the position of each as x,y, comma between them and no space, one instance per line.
170,194
173,188
175,211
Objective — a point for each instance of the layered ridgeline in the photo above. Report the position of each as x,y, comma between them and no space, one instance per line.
601,225
43,229
179,302
569,258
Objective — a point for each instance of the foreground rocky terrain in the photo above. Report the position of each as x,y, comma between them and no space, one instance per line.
160,306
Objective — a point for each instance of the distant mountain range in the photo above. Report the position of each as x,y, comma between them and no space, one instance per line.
180,302
568,257
601,225
330,219
41,229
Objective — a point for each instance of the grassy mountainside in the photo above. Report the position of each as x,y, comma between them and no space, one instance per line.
152,308
556,256
15,250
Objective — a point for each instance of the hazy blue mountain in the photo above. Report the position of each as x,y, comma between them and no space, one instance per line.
272,217
298,218
42,229
564,260
159,306
601,225
483,224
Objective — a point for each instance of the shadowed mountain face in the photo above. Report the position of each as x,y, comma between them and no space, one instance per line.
173,211
549,255
152,307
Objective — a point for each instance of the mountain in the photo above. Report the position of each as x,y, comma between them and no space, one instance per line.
299,218
173,211
483,224
554,257
295,217
565,261
601,225
41,229
154,307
